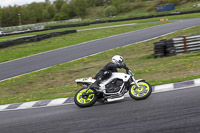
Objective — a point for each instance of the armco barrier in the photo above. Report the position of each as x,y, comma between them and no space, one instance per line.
34,38
187,44
107,21
170,47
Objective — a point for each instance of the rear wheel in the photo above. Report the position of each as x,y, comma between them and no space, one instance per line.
85,99
140,93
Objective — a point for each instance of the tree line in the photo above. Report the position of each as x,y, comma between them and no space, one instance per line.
45,11
61,10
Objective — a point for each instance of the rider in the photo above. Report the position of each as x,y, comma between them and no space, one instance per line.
117,62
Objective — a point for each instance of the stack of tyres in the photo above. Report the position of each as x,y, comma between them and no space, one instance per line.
159,49
68,25
29,39
164,48
170,49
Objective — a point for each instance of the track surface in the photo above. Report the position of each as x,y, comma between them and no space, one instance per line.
47,59
168,112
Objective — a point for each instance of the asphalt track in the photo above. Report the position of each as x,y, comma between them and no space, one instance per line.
59,56
169,112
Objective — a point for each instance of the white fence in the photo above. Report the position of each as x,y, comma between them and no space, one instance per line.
35,26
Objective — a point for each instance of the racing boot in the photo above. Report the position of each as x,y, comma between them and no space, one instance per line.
95,85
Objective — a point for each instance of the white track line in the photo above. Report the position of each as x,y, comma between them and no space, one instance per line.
57,101
161,88
108,27
4,106
197,81
27,105
35,107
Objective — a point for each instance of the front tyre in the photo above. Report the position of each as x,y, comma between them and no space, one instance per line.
140,93
85,99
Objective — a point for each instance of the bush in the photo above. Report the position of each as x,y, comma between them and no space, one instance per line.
97,11
110,11
125,7
151,7
57,17
175,2
136,5
161,2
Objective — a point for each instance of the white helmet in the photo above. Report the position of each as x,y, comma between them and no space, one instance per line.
117,59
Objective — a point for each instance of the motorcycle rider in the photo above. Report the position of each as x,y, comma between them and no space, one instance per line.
117,62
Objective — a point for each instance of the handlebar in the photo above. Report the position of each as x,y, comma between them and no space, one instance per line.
129,72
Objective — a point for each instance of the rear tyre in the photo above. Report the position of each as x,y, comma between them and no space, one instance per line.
140,93
83,99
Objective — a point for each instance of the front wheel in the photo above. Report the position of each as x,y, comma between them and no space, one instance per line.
85,99
140,93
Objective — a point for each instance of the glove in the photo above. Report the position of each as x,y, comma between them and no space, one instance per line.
127,71
122,65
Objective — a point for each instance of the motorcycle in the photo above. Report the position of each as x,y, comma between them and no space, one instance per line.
112,89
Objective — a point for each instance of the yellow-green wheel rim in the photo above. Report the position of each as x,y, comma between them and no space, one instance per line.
140,92
82,100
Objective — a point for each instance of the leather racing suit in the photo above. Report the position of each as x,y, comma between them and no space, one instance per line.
106,72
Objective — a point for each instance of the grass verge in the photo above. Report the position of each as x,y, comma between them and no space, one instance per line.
58,81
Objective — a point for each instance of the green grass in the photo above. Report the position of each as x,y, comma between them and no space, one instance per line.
143,11
58,81
27,49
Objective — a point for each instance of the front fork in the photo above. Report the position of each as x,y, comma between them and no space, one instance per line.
135,82
88,89
133,78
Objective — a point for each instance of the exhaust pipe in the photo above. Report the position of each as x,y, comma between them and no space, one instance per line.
115,99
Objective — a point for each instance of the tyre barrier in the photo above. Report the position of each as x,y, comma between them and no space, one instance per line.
99,22
67,26
34,38
170,47
164,48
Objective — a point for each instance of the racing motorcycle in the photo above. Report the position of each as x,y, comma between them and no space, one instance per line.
112,89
